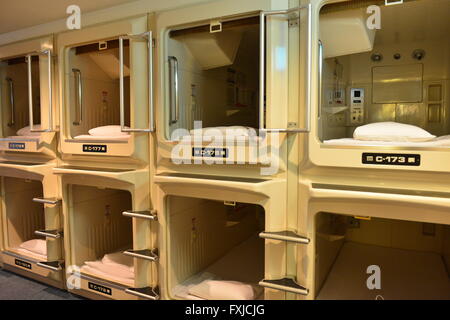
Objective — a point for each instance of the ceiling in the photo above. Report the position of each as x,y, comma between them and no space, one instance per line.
18,14
414,21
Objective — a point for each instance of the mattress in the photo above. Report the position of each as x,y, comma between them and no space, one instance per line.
405,274
230,133
22,138
443,141
102,138
238,265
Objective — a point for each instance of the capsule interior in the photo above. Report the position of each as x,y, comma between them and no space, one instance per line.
98,229
381,259
214,240
397,73
14,94
23,216
94,88
217,76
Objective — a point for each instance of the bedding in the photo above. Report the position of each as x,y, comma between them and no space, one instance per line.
37,246
391,131
22,138
31,254
114,269
230,131
89,137
222,290
111,130
443,141
249,254
26,131
114,266
120,260
109,276
182,289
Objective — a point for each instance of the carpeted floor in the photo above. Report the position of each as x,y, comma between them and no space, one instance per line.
15,287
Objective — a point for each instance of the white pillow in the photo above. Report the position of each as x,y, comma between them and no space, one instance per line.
37,246
26,131
112,130
222,290
391,131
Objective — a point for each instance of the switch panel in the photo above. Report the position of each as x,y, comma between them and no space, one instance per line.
356,106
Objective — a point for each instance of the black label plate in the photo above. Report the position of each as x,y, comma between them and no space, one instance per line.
210,152
99,288
22,264
16,145
393,159
98,148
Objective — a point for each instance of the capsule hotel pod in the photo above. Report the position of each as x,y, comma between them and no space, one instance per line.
109,242
106,92
106,79
229,86
28,101
32,223
378,243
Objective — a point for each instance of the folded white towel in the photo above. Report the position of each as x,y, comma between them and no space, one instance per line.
112,269
119,259
101,274
182,289
111,130
26,131
37,246
222,290
31,254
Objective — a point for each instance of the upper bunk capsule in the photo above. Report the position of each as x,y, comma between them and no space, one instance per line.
28,108
229,86
106,91
382,94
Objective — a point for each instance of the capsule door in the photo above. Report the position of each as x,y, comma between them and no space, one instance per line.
106,90
29,119
230,86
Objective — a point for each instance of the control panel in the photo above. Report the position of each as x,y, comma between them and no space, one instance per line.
356,106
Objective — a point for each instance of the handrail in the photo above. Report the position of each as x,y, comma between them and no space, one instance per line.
79,95
11,100
262,66
174,99
151,124
48,53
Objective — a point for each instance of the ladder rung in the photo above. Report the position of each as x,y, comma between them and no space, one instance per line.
53,201
55,234
284,236
146,254
285,284
146,293
149,215
52,265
